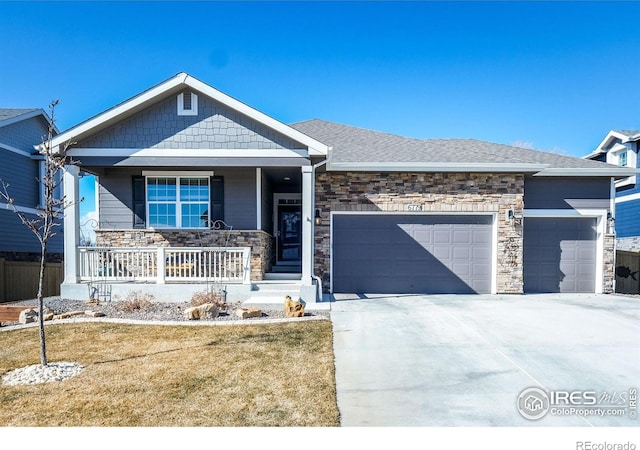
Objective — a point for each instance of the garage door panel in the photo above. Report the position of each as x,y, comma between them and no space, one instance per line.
405,253
559,254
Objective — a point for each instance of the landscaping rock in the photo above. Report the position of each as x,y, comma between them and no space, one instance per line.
91,313
248,313
27,316
293,308
206,311
48,316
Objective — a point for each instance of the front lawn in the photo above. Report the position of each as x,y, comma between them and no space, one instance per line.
175,376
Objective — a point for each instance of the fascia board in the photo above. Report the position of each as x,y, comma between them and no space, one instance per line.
188,153
316,148
616,172
114,113
433,167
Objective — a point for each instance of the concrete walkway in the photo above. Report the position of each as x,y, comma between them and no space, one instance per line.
462,360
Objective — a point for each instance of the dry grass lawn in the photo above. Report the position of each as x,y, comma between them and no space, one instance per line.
174,376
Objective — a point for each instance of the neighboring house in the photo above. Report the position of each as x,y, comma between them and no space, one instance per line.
620,147
20,167
184,170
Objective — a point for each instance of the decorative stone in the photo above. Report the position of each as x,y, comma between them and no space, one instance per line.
28,316
205,311
48,316
248,313
293,308
91,313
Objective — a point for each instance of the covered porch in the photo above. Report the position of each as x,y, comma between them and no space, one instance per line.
131,252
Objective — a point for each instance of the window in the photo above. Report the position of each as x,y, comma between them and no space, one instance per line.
622,159
187,104
178,202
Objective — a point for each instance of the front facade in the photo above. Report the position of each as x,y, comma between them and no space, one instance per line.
196,188
20,130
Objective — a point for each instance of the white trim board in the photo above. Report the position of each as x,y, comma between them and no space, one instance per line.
601,220
172,86
22,209
627,198
188,152
17,151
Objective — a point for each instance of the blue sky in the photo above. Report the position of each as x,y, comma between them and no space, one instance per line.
548,75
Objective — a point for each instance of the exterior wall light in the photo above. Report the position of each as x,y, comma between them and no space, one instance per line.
317,219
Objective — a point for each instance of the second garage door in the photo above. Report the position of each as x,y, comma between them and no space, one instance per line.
559,254
385,253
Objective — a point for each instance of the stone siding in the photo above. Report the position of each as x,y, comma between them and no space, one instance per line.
629,244
433,192
609,275
261,243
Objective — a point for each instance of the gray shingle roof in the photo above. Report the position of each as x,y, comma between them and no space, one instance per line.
8,113
628,133
352,145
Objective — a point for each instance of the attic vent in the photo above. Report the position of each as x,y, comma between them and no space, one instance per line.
187,104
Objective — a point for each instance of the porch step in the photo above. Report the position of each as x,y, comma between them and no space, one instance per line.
271,276
273,291
284,268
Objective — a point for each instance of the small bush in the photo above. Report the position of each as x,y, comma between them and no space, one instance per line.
200,298
135,301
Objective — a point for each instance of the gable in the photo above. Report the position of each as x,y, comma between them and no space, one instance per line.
24,134
216,126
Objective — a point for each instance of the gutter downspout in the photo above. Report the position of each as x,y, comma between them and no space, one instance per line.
313,241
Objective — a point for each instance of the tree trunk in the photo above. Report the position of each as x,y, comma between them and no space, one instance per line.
43,345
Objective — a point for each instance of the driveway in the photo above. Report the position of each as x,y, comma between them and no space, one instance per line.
463,360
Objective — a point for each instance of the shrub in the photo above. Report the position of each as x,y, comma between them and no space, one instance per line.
217,298
134,301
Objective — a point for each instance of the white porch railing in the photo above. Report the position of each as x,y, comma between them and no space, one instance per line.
165,264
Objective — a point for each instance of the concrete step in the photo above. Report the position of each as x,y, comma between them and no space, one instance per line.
272,276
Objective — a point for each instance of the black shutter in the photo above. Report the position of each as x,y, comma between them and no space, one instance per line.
139,206
217,199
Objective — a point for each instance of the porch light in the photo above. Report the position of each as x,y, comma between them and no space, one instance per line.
317,219
611,221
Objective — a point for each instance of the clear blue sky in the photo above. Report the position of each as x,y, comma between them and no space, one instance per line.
549,75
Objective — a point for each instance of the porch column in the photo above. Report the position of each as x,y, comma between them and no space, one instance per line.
71,223
307,224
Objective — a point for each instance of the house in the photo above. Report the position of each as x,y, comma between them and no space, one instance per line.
620,147
20,131
197,188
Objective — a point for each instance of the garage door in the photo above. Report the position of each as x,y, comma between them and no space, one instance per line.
412,254
559,254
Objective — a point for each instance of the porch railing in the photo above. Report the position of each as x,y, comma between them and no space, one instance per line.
165,264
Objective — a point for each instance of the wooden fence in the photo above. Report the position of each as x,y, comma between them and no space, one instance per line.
19,280
627,272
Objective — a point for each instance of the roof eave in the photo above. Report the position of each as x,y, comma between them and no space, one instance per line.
28,115
175,84
432,167
614,172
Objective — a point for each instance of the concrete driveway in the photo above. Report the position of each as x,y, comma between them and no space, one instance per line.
463,360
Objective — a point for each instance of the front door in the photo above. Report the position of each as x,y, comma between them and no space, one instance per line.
289,233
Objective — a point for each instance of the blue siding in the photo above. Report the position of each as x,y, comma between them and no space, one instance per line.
25,134
20,173
16,237
215,126
628,219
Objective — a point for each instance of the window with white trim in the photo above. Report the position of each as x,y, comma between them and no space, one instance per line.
622,158
178,202
187,104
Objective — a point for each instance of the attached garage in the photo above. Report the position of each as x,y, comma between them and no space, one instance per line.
560,254
391,253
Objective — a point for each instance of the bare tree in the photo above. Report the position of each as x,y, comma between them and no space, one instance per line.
45,223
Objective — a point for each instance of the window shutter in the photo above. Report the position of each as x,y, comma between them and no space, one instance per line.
217,199
139,206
